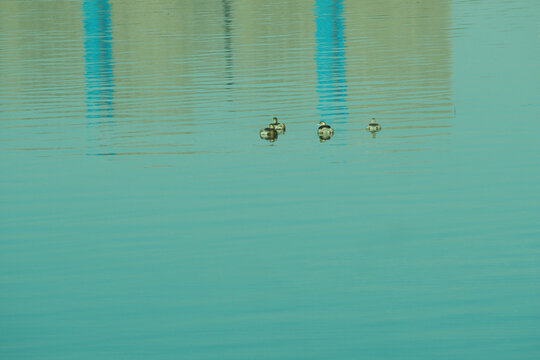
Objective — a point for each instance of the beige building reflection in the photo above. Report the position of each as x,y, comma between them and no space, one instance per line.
42,50
398,56
400,61
191,60
177,49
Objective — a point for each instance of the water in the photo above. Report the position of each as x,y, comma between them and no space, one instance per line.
143,217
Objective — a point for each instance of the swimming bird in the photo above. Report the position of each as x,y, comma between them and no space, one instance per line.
373,126
279,127
324,131
269,133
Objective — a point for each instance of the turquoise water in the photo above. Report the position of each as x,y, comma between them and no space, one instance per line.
142,217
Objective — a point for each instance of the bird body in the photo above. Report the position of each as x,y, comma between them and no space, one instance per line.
373,126
269,133
279,127
324,131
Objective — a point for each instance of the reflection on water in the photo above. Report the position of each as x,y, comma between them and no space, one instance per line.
401,65
330,58
99,75
227,35
173,77
98,60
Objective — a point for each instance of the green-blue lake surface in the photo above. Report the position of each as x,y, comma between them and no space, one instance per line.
142,216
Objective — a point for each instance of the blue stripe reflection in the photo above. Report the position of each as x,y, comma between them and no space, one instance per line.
98,60
330,59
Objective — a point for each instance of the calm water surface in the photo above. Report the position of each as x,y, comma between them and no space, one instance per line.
142,217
